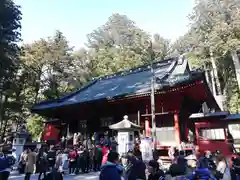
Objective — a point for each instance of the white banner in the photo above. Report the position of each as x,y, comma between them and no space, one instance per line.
146,149
122,142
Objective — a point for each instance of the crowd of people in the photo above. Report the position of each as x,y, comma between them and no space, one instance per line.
72,160
212,166
102,156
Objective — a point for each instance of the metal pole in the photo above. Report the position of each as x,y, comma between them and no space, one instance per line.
153,95
67,136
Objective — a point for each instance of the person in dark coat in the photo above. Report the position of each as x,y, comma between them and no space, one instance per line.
86,160
51,158
41,163
155,172
97,159
22,162
4,167
174,171
114,145
111,170
182,162
137,152
137,168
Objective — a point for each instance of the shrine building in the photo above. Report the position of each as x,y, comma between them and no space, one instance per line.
179,92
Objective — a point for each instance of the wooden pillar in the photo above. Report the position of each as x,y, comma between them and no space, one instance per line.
177,128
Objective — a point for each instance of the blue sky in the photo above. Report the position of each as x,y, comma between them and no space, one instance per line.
76,18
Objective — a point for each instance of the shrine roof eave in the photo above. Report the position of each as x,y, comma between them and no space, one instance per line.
232,118
57,106
133,81
165,88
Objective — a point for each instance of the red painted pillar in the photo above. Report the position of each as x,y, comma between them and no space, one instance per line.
147,124
177,129
147,128
197,139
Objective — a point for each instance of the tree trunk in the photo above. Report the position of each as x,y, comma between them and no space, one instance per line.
37,87
236,63
213,84
1,112
4,121
215,74
207,76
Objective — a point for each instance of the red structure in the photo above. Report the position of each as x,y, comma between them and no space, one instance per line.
212,131
51,132
179,92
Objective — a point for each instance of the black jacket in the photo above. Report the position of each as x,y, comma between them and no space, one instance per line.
156,176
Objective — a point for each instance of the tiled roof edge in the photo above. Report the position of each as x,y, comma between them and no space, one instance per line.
121,73
63,97
138,69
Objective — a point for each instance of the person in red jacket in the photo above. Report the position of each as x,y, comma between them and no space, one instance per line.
105,151
72,161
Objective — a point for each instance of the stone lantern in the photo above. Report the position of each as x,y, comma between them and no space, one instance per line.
19,141
125,134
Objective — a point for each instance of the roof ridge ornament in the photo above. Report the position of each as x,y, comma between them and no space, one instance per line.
205,108
181,59
125,117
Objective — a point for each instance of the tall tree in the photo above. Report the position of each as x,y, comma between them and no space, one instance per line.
161,47
51,70
57,66
10,16
117,45
82,69
220,18
212,42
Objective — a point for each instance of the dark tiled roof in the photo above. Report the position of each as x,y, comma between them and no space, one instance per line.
232,117
131,82
210,114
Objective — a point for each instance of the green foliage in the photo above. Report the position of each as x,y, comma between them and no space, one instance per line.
10,17
119,45
48,66
214,37
35,126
